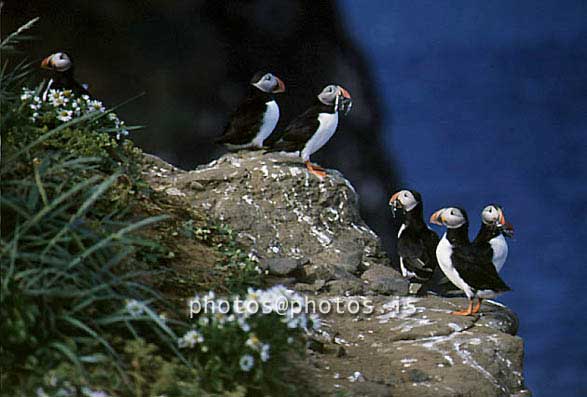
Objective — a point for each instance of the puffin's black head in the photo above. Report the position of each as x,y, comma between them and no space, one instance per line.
268,83
451,217
493,215
58,62
335,95
406,200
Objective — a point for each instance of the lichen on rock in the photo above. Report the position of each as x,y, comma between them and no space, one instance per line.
308,232
280,210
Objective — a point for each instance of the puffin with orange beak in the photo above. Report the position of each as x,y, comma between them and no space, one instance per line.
311,130
467,265
256,117
417,243
61,69
491,235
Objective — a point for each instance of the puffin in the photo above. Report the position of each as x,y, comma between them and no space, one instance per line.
467,265
60,66
308,132
417,243
256,117
494,228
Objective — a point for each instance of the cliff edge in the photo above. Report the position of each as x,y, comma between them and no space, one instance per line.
307,233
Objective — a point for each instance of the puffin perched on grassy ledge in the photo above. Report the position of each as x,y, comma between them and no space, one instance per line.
256,117
61,68
467,265
417,243
308,132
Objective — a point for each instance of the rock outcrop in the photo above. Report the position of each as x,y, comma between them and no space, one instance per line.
308,233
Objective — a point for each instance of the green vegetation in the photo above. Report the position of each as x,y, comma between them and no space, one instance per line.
97,268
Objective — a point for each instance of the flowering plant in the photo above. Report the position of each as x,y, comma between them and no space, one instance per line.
247,342
55,107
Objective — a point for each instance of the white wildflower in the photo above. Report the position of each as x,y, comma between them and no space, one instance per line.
86,391
190,339
253,342
26,95
134,307
96,106
35,106
242,323
64,115
290,340
41,392
265,352
57,98
120,133
247,362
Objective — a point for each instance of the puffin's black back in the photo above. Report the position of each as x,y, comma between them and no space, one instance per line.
246,120
474,264
301,128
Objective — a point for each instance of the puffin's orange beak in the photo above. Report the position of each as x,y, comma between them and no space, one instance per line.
393,198
344,93
501,220
436,218
46,63
508,228
280,85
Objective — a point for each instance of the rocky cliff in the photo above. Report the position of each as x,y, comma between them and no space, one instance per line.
308,233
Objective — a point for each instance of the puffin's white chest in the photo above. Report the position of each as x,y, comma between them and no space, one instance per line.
270,119
443,255
327,128
500,251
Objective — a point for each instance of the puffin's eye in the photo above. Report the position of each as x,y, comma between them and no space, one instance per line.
452,212
267,77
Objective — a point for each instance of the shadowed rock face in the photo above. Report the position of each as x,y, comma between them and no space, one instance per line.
194,60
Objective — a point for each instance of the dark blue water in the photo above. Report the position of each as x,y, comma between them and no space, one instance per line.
487,102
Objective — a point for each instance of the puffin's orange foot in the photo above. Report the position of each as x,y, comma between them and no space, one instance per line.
315,169
467,312
462,313
477,306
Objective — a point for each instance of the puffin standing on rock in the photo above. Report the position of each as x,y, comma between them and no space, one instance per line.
491,234
467,265
416,241
61,68
308,132
256,117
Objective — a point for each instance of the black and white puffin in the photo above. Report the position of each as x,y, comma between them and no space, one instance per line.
62,77
256,117
417,243
308,132
491,235
468,266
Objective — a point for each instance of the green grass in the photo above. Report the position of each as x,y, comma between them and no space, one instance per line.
92,263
